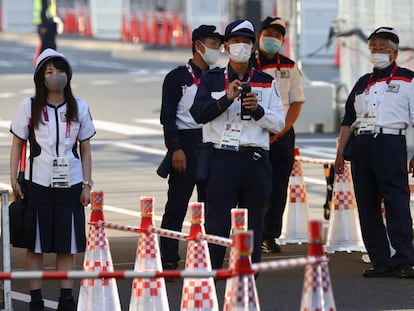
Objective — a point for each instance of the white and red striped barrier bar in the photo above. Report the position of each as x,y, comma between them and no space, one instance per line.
168,274
286,264
315,161
166,233
214,239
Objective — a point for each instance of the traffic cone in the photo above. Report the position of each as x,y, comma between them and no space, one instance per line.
238,223
296,215
198,293
186,36
337,57
125,34
344,233
177,30
69,25
148,294
144,28
37,53
134,33
165,31
243,293
317,289
155,30
98,294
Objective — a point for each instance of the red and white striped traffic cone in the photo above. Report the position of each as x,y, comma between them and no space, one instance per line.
317,290
296,216
198,293
344,233
148,294
238,223
98,294
243,293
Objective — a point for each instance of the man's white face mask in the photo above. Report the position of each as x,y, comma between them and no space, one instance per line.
210,56
240,52
380,60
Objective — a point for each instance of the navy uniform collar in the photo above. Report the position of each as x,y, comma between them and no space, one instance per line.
233,75
379,73
197,70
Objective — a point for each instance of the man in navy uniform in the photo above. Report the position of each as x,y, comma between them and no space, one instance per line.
183,136
239,173
378,111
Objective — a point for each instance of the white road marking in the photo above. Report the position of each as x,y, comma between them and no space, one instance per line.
124,129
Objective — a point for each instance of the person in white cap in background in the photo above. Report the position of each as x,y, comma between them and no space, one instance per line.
267,58
238,130
378,111
58,127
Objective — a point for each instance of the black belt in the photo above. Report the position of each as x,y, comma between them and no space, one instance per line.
257,152
383,130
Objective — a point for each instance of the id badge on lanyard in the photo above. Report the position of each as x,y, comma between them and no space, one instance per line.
230,138
60,177
60,168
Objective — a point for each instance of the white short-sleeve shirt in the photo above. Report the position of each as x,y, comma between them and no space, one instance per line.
54,138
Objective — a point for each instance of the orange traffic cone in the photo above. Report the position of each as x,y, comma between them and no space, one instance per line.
144,28
134,33
296,215
186,36
337,59
238,223
344,233
148,294
199,293
69,25
165,31
37,53
125,34
317,290
98,294
243,293
155,30
177,30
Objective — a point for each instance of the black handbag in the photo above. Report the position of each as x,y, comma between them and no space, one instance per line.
22,217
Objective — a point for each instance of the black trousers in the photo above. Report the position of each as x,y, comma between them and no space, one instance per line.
282,159
236,179
180,190
48,39
379,170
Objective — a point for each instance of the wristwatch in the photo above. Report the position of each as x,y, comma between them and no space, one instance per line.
88,182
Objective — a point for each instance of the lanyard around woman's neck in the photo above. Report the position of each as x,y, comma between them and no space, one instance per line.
50,134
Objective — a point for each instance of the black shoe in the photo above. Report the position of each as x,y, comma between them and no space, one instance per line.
269,245
377,272
66,304
36,305
404,271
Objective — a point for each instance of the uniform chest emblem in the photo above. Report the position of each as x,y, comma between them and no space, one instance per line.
393,88
285,74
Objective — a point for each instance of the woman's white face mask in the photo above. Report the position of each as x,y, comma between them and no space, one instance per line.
240,52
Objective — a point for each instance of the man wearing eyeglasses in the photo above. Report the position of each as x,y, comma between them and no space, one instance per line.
378,111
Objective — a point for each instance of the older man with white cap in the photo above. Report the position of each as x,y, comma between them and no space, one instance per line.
378,111
237,125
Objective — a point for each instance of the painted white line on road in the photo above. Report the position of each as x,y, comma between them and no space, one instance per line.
7,94
153,121
135,214
140,148
124,129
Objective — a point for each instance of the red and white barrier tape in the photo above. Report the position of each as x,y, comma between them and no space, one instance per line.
315,161
168,274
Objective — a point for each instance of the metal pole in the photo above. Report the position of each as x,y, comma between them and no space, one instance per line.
5,233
